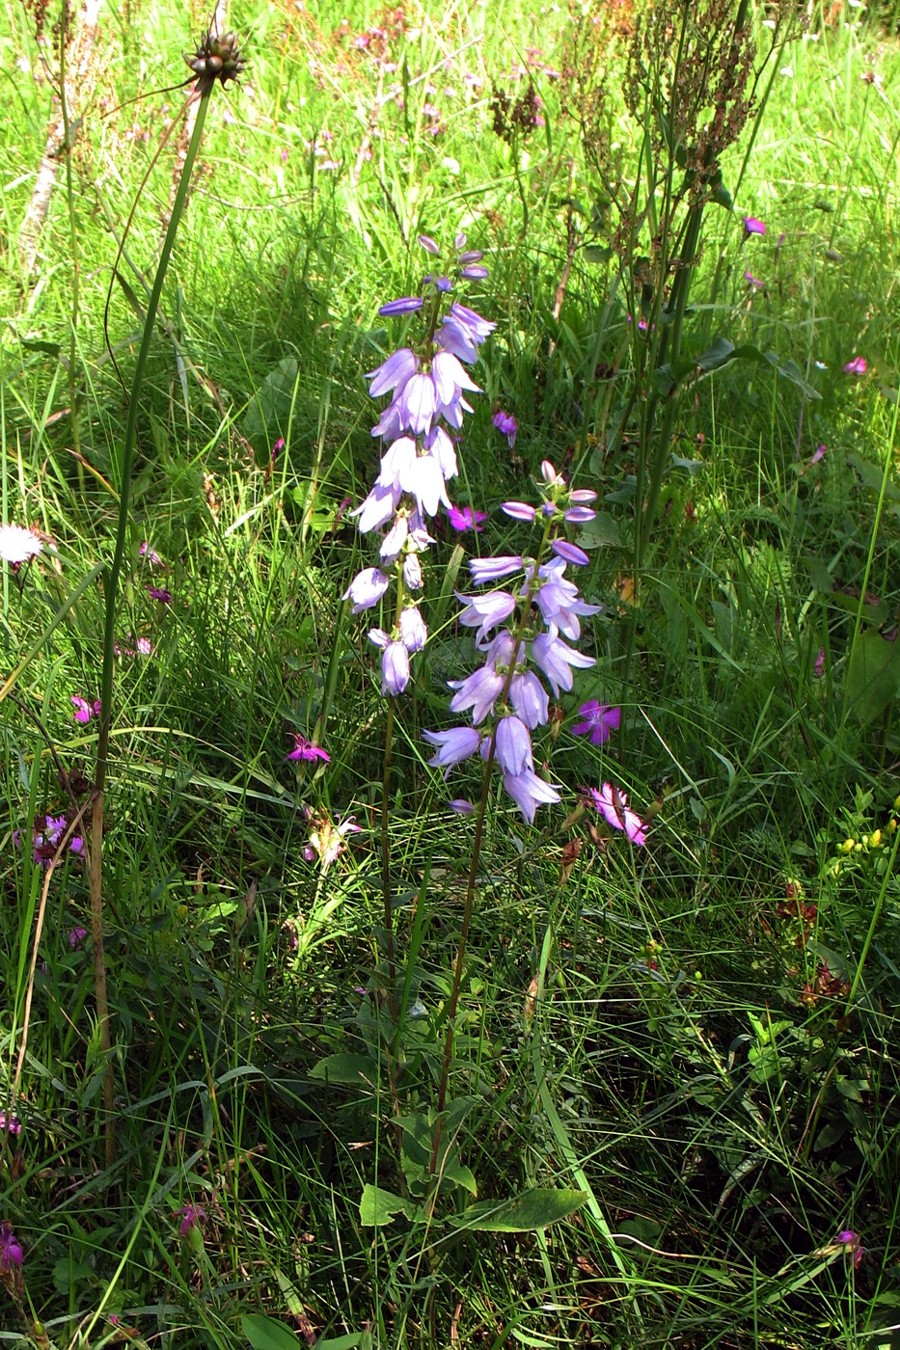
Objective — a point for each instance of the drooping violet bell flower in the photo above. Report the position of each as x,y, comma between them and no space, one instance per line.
752,225
366,589
394,662
453,746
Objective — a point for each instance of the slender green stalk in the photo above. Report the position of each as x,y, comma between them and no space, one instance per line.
110,595
534,583
873,924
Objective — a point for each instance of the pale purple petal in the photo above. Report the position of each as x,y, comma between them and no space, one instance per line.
366,589
513,746
519,510
570,552
492,569
529,792
453,746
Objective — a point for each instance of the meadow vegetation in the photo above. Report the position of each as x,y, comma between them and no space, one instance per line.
591,1039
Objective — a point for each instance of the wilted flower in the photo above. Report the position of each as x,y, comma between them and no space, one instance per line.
599,721
613,806
754,282
304,749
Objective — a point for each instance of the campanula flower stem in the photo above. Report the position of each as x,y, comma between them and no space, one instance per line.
110,597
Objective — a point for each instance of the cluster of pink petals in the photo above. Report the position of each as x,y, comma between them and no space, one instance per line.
613,806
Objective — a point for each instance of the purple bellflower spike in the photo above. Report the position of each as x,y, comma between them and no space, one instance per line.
599,721
613,806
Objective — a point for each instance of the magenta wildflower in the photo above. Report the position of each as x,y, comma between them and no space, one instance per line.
76,937
11,1254
304,749
10,1124
277,448
160,593
150,554
753,226
819,666
467,518
754,282
600,719
613,806
818,454
852,1244
858,366
84,710
191,1217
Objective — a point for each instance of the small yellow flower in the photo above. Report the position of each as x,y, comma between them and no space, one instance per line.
848,845
875,839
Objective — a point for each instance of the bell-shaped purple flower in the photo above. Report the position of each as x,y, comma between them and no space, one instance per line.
413,633
366,589
529,699
513,746
556,660
485,612
529,792
394,662
454,745
394,373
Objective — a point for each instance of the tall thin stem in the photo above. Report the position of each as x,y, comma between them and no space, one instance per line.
110,596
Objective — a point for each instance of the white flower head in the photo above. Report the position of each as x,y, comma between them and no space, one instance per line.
18,545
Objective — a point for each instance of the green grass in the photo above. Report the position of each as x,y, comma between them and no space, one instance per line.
701,1036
